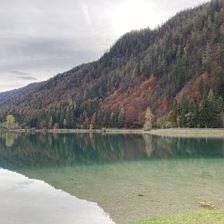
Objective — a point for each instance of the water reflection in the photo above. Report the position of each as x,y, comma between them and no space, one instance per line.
172,174
29,150
9,139
30,201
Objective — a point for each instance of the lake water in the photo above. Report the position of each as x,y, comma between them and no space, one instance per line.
82,178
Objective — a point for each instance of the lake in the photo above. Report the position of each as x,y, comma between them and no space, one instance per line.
105,179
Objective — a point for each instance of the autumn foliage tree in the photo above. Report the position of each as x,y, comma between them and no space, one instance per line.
148,119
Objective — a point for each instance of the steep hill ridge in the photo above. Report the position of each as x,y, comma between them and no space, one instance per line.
5,96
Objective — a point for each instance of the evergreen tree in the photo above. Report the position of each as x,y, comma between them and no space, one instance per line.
121,118
50,123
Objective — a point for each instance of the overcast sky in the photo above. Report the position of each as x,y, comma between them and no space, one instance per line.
40,38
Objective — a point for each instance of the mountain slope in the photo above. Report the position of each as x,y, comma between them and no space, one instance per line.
183,59
5,96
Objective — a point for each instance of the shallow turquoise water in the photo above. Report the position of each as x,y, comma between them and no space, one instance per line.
129,176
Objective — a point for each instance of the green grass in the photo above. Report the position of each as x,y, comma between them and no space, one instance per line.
189,132
202,217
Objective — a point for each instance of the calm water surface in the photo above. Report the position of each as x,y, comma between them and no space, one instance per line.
128,176
27,201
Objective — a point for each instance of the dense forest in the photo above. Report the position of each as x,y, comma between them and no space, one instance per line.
176,70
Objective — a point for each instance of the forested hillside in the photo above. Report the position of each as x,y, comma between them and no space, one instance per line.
5,96
176,70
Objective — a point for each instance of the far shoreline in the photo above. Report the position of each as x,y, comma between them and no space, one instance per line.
172,132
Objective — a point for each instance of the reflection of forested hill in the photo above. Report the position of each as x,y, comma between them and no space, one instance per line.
34,150
25,150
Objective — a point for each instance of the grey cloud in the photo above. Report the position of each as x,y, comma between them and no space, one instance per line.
29,78
24,75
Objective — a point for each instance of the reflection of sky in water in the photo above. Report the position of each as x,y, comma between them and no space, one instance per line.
25,201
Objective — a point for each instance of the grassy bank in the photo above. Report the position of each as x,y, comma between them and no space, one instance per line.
202,217
173,132
190,132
